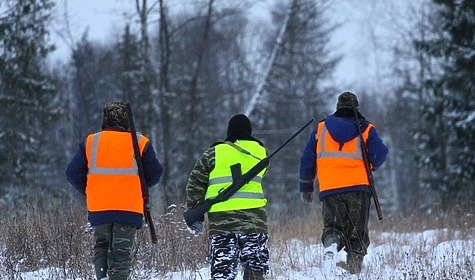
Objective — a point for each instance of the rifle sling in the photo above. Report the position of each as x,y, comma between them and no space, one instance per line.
242,150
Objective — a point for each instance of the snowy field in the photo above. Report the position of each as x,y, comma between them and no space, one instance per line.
433,254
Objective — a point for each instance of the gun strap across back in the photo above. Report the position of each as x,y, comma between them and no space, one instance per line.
241,149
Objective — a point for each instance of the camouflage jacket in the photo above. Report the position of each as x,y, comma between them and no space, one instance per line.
237,221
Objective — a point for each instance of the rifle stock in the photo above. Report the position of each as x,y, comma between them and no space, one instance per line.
197,213
143,183
149,221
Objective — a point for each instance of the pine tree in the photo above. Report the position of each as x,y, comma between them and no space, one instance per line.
450,108
129,71
27,93
93,82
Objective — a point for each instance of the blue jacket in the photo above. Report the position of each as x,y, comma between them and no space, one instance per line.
76,174
342,128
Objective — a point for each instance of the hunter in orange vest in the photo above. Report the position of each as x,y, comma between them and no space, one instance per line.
104,169
333,156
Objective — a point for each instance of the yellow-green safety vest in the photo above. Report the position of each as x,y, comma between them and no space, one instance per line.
248,196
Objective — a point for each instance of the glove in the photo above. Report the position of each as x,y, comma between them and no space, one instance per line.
307,197
196,228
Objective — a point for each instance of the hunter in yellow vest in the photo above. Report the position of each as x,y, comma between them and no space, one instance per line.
250,195
237,227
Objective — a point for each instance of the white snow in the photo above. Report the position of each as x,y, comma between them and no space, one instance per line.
432,254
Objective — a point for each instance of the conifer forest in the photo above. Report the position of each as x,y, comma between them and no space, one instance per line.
186,71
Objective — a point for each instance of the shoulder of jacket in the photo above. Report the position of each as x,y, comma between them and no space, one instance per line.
216,144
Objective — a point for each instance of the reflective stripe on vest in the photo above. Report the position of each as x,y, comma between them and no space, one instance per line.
93,169
229,179
339,166
250,195
113,183
356,154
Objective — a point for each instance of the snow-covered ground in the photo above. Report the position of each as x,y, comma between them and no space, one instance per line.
433,254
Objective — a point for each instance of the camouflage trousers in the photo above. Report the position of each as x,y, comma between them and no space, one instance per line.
113,250
345,220
227,250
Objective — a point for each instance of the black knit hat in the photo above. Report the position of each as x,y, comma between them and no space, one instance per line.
115,115
347,100
239,127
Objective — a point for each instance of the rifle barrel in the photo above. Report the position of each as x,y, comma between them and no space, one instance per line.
143,183
364,153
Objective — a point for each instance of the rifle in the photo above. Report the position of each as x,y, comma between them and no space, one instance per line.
364,153
195,214
143,184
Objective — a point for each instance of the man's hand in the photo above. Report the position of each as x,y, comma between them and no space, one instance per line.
307,197
196,228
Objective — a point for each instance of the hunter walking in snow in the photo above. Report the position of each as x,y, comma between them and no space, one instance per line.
237,226
333,155
104,169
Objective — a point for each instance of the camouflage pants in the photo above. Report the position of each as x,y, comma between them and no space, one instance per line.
345,217
228,249
113,250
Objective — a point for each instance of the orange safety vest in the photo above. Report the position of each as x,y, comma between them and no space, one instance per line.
337,168
112,180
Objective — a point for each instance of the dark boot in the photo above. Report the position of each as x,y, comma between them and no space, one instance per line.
331,238
250,274
354,262
100,267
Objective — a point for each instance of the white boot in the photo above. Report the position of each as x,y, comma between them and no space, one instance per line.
329,260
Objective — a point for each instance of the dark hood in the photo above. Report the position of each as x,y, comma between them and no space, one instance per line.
240,128
342,125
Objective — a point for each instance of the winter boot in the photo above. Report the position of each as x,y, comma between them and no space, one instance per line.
331,244
100,267
331,238
329,259
354,262
250,274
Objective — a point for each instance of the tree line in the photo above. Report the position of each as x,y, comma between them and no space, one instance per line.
187,71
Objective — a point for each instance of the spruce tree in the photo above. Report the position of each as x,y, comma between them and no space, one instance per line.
450,108
27,93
